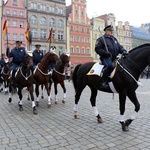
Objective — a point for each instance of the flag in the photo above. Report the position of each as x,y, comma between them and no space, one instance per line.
50,34
27,32
5,28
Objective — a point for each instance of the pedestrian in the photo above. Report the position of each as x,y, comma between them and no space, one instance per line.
18,54
108,48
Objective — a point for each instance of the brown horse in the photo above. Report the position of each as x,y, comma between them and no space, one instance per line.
41,74
58,75
24,78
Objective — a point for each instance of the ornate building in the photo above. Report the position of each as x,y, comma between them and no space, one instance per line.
78,32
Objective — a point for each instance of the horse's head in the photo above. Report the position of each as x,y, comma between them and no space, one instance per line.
54,59
27,62
65,59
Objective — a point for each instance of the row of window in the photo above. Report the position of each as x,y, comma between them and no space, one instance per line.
14,13
80,29
80,39
50,9
77,50
43,21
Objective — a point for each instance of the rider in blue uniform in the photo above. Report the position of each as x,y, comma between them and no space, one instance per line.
37,55
108,47
2,61
18,54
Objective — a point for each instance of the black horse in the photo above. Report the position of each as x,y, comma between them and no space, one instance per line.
125,81
24,78
58,75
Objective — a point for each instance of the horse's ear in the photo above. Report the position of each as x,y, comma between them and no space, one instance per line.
30,53
52,49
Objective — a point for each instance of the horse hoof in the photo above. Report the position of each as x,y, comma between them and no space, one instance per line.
48,105
100,120
76,116
63,101
21,108
28,98
42,97
9,100
37,104
56,102
124,127
35,111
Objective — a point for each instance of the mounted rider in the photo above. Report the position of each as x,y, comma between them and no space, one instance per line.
108,48
18,54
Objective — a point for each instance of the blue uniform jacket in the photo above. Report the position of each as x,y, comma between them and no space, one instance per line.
37,56
18,55
113,46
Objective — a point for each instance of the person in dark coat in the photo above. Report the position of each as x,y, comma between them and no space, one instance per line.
37,55
108,48
2,61
18,54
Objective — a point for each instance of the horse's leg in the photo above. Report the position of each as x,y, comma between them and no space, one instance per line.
32,98
77,97
93,103
10,93
20,101
132,96
122,101
48,93
64,90
56,91
42,92
37,94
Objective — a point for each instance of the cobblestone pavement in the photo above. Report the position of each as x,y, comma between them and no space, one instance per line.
56,129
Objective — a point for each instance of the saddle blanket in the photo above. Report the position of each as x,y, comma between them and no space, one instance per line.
97,70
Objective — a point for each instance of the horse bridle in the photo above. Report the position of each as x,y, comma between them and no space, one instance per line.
20,68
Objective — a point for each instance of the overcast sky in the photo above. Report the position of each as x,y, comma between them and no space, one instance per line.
134,11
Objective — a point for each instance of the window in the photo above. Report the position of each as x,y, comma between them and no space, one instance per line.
60,11
52,22
21,24
33,6
43,33
60,23
82,40
15,36
77,28
34,32
76,11
43,7
60,50
33,20
77,39
60,35
14,23
8,22
82,29
82,13
15,13
8,36
88,40
71,28
82,51
71,50
8,12
77,50
51,8
14,2
83,21
21,13
43,21
71,38
88,51
87,30
21,37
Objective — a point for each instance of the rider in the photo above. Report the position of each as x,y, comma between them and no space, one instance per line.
108,47
37,55
2,61
18,53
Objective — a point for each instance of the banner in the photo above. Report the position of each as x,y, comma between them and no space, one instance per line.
5,25
27,32
50,34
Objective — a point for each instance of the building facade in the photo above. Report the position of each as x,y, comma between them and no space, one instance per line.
15,14
44,15
79,32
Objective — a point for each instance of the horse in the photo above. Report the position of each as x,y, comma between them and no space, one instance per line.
24,78
42,76
58,75
5,73
124,80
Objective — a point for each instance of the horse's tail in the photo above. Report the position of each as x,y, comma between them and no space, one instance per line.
74,76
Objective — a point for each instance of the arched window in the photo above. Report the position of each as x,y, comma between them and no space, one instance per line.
52,22
43,21
60,23
33,20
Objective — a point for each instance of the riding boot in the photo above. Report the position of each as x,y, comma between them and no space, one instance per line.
105,75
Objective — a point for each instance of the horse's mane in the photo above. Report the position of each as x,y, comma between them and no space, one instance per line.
139,47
